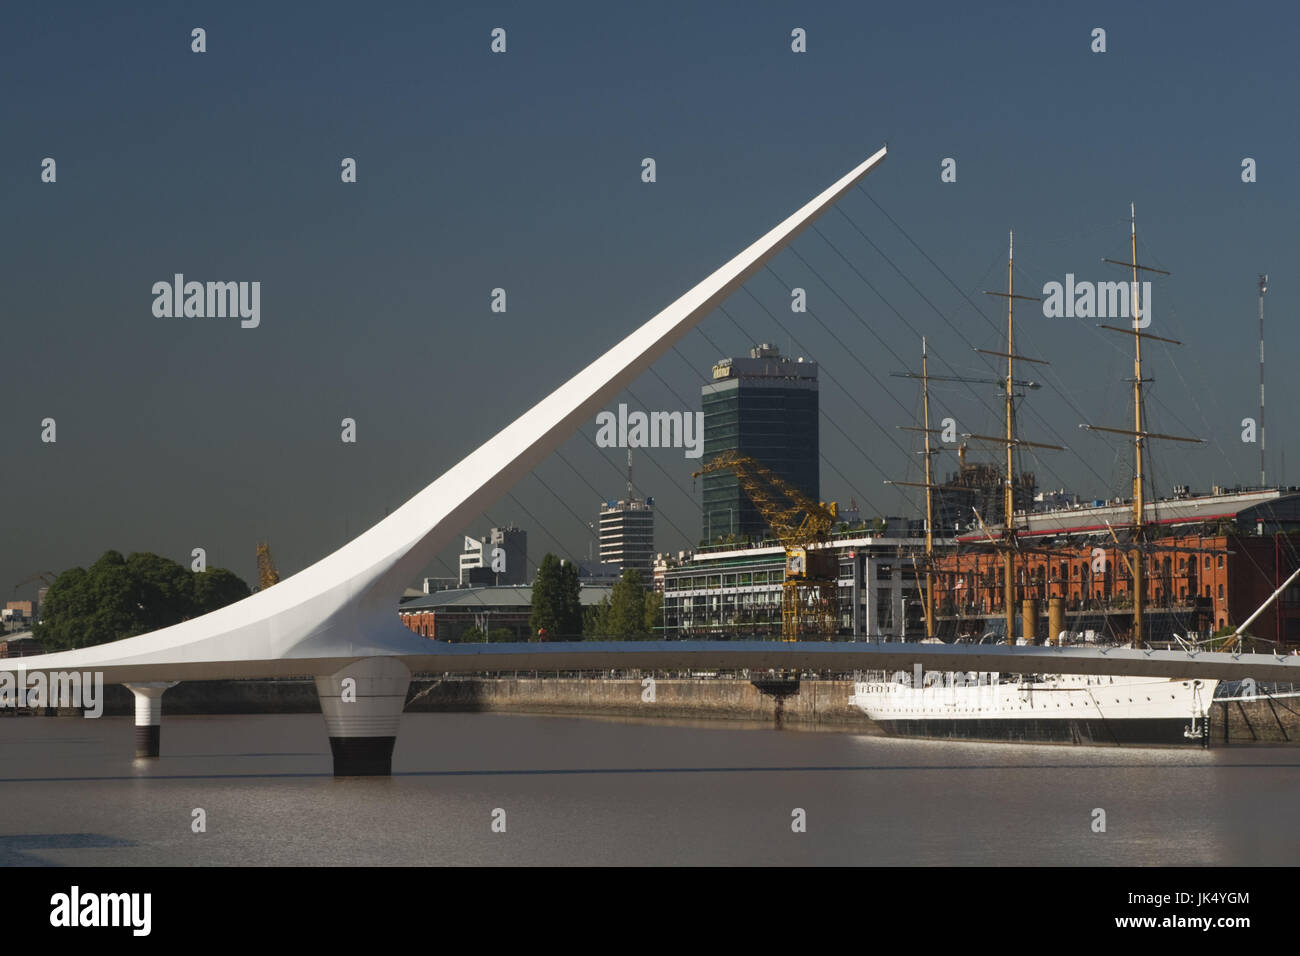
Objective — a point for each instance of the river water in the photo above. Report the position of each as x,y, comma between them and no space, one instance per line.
592,791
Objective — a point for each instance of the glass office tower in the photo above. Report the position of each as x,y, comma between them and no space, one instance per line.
763,406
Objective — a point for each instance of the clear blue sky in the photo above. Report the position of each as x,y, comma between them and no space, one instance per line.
522,171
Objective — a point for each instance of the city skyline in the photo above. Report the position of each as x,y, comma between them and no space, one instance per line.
594,435
376,303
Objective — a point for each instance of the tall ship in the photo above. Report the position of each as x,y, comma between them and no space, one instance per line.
1079,709
1061,708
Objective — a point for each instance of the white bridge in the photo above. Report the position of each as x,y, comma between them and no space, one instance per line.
336,620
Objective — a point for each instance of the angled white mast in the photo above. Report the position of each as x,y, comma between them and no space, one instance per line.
344,606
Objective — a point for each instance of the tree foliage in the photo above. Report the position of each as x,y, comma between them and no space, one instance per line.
476,635
557,611
628,614
654,608
120,597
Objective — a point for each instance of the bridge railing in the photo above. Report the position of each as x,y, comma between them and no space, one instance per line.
636,674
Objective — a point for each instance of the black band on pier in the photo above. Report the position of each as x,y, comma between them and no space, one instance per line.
362,756
148,741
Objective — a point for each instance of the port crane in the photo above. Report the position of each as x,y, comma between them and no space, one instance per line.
45,577
809,589
266,570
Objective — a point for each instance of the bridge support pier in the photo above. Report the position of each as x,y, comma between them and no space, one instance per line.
778,688
362,705
148,716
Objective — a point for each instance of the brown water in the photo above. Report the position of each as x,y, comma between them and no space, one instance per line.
588,791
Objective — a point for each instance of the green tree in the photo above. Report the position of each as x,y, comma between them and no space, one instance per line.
593,619
654,611
163,591
556,607
120,597
66,607
217,587
107,605
625,618
571,591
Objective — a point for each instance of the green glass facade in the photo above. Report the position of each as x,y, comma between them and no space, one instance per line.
772,418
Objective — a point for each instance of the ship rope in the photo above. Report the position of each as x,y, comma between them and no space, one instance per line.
1101,714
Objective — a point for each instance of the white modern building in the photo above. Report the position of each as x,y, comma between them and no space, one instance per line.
627,534
500,558
737,592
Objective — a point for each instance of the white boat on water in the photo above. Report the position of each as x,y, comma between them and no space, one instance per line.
1061,708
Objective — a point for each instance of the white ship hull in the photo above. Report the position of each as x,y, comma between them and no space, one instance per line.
1064,708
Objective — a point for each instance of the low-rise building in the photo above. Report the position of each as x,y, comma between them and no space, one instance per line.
736,592
20,644
447,615
1214,559
501,557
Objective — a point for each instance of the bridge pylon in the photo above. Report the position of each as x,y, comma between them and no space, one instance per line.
148,716
362,704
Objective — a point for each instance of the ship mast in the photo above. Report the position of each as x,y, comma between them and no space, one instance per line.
1263,287
1009,545
1139,558
928,484
1008,491
929,499
1141,319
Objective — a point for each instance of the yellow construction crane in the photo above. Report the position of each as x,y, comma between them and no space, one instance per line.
266,572
809,591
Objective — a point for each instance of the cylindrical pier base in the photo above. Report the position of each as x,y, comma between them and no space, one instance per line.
148,716
1055,619
1029,620
362,705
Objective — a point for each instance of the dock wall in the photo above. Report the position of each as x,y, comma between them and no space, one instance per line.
819,704
814,703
